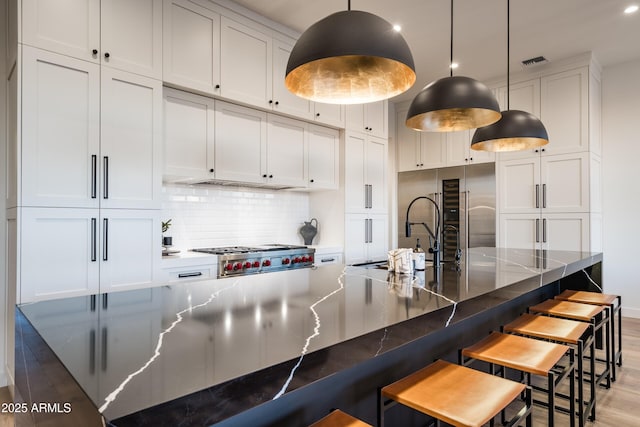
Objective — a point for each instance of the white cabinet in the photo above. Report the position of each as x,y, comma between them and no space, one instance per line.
80,149
130,140
60,130
121,34
323,158
566,231
371,118
283,100
240,143
285,154
365,173
191,46
365,238
71,252
189,131
418,150
246,64
329,114
459,150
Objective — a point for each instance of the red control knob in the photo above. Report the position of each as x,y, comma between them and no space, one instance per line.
256,264
266,262
286,261
296,260
247,264
310,258
238,266
228,267
305,259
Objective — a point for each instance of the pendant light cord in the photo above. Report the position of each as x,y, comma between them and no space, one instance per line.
451,43
508,49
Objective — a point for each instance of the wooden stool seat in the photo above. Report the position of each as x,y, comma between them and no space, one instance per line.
337,418
605,300
571,332
530,357
454,394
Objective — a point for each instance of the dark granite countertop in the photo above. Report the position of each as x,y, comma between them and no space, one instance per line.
272,333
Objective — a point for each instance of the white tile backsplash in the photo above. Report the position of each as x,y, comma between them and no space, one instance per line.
213,215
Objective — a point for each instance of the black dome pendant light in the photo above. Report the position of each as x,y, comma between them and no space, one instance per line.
516,130
350,57
453,103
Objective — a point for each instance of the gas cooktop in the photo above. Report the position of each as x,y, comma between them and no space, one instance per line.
241,260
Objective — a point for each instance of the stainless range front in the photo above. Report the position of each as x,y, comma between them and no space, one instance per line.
241,260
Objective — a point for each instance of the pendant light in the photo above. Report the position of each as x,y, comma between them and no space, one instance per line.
453,103
350,57
516,130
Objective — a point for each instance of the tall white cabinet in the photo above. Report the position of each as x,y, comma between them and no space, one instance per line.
550,198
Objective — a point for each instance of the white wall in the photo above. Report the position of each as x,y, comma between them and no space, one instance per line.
213,215
621,180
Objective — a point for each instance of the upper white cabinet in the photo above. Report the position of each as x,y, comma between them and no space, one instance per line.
330,114
323,158
60,130
283,100
240,143
189,135
286,149
191,46
121,34
371,118
246,73
365,173
459,150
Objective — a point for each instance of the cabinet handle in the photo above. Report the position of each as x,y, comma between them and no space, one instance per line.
311,180
544,230
105,167
107,55
105,239
471,159
537,195
270,176
217,86
93,240
370,230
317,114
544,195
94,178
264,175
270,101
327,259
211,170
277,102
193,274
94,51
103,362
92,349
537,230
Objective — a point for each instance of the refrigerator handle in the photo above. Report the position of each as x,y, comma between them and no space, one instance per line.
537,230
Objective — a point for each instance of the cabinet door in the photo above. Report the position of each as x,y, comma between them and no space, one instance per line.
355,117
330,114
433,150
458,148
240,143
519,186
188,136
191,46
71,27
131,144
566,232
564,110
407,145
565,183
60,130
376,173
283,100
378,246
59,254
354,173
323,158
245,77
286,149
356,232
131,36
522,231
130,245
377,120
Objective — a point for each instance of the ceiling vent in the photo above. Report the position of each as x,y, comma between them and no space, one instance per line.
538,60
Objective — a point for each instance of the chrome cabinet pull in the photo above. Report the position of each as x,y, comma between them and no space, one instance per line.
105,239
192,274
544,195
105,166
544,230
94,178
537,230
93,240
537,195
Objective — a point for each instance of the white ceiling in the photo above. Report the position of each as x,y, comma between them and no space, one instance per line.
555,29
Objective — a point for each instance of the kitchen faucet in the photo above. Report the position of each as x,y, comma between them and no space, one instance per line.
434,245
458,255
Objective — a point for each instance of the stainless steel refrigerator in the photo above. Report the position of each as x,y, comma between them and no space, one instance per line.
466,197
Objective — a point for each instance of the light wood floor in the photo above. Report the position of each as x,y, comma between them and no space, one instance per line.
618,406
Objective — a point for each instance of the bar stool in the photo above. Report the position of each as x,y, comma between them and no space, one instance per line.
337,418
530,357
456,394
614,305
593,314
569,332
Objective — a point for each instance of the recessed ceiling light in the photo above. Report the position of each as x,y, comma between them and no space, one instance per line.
631,9
454,65
397,27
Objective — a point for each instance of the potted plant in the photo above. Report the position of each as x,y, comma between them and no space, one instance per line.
166,240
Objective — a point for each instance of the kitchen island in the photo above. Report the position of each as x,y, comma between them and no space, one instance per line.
281,348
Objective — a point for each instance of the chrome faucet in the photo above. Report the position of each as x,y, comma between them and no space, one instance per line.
458,255
434,238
